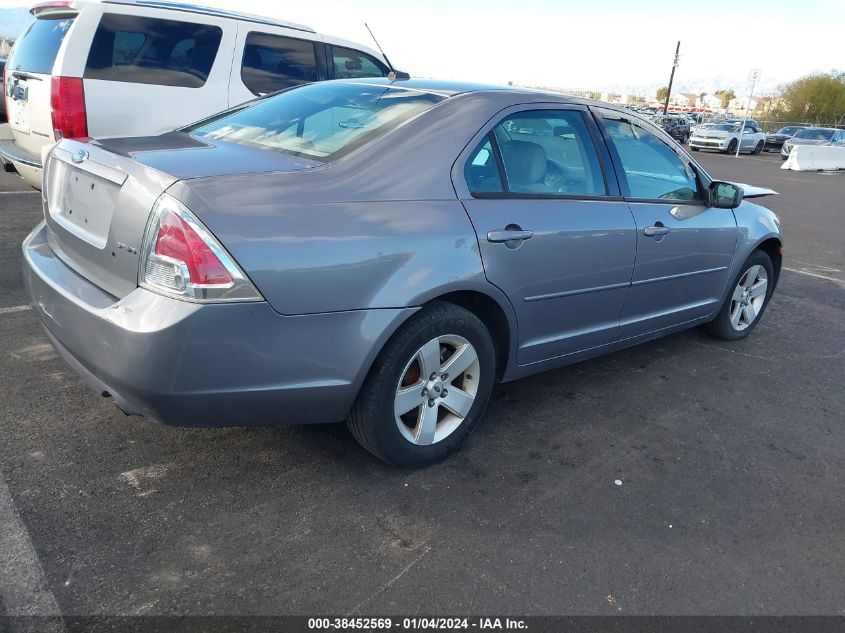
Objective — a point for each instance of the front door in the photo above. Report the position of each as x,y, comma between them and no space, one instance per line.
554,234
684,247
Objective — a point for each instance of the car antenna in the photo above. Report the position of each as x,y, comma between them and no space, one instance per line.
394,74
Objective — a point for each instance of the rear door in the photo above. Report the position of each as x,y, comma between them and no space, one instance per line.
150,71
29,73
684,247
554,234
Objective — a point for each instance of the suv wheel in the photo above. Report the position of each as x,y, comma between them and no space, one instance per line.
427,389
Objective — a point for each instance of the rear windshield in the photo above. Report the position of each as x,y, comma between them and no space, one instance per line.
140,50
322,121
35,51
816,135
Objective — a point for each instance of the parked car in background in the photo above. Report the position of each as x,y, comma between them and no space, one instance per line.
813,136
775,140
3,100
725,137
677,126
123,68
197,278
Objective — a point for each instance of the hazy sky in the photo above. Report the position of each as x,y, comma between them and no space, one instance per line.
583,44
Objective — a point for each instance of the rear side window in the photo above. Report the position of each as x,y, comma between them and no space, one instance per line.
139,50
352,64
36,50
274,62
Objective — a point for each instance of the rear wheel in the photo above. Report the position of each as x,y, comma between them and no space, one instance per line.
744,307
427,389
759,147
731,147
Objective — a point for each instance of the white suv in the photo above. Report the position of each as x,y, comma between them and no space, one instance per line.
84,68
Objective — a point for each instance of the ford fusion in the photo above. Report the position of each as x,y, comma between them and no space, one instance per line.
383,253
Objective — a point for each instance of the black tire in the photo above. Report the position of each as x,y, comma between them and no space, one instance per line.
686,138
731,147
759,148
782,157
695,149
721,326
371,420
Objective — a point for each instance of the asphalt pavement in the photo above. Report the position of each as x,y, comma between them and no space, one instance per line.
731,459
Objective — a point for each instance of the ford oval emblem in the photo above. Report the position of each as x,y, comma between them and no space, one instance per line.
79,155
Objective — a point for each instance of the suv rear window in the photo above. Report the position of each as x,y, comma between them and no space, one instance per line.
139,50
322,121
273,62
36,50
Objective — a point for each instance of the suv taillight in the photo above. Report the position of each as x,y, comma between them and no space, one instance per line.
67,102
180,258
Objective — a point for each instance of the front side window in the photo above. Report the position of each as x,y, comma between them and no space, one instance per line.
36,50
274,62
544,152
352,64
322,121
133,49
653,170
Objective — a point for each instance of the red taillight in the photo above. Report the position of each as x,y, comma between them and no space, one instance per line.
176,239
67,100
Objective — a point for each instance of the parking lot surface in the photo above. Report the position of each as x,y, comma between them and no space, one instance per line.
731,459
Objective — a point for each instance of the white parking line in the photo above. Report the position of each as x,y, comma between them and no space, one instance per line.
23,587
841,282
11,193
15,309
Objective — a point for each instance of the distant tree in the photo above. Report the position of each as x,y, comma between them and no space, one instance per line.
818,98
661,94
725,96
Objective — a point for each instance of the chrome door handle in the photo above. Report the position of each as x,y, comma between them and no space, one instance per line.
509,235
653,231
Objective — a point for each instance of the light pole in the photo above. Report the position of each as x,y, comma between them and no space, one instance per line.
753,77
671,78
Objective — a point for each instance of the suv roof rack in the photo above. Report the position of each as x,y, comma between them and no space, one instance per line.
221,13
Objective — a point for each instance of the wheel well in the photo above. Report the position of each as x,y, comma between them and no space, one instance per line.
493,317
772,248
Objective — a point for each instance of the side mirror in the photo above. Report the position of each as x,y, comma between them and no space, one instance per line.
725,195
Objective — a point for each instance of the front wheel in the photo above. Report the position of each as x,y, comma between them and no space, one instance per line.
759,147
695,149
744,307
427,389
731,147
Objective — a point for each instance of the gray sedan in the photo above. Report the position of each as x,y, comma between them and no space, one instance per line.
383,252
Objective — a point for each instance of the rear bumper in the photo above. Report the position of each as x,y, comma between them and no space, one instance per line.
188,364
26,164
11,152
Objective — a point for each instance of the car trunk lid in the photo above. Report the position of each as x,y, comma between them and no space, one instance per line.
98,195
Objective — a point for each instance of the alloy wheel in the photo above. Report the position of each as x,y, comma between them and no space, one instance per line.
749,297
436,389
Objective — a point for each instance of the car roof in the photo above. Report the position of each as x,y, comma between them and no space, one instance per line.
819,129
46,7
449,88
